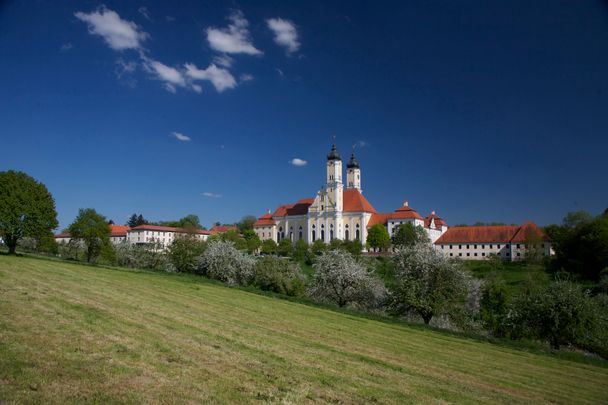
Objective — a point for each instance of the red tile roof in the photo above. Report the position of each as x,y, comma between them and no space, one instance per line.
222,229
406,212
481,234
265,220
168,229
63,235
527,230
355,202
377,218
438,221
118,230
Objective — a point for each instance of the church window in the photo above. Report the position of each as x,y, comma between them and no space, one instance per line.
322,234
314,235
331,234
346,236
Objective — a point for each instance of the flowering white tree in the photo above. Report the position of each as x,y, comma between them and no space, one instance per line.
428,284
340,279
222,261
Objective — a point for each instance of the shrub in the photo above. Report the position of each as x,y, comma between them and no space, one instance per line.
341,280
301,252
222,261
140,257
285,248
183,252
318,247
72,250
560,313
428,284
269,247
494,305
278,275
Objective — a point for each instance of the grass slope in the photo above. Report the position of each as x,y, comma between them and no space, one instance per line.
72,333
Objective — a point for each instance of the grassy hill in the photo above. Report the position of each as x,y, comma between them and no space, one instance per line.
72,333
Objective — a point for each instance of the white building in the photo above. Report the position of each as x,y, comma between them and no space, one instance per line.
338,212
148,235
509,242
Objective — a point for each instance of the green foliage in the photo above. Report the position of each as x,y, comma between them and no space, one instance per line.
560,313
72,250
581,245
378,238
269,247
279,275
246,223
301,252
494,305
285,248
188,222
428,284
92,228
408,235
136,220
230,236
318,247
27,209
252,239
141,257
184,251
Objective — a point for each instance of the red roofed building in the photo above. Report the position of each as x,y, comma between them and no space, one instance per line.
509,242
118,234
222,228
338,212
161,237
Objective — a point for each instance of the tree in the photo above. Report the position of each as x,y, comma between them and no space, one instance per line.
27,209
301,251
222,261
279,275
252,239
408,235
136,220
427,283
560,313
285,247
184,251
494,304
246,223
318,247
269,247
341,280
378,238
93,230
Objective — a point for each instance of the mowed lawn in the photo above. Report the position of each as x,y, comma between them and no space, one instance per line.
73,334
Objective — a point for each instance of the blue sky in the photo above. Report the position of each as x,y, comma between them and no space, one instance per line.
482,111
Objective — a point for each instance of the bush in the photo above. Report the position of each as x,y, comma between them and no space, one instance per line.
560,313
285,248
222,261
183,253
318,247
341,280
269,247
72,250
494,306
278,275
428,284
140,257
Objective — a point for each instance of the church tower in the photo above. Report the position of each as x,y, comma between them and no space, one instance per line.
353,173
334,186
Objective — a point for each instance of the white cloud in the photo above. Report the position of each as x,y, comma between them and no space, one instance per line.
234,39
221,78
362,144
223,60
245,77
197,88
285,33
280,72
66,47
211,195
171,76
298,162
143,10
119,34
181,137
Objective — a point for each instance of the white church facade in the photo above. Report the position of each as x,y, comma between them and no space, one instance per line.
339,211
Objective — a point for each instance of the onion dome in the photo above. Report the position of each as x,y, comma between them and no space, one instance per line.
353,163
333,154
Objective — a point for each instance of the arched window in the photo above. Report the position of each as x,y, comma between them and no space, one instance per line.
357,233
314,233
323,232
331,232
300,230
280,233
346,234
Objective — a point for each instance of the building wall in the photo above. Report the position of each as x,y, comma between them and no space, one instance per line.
481,251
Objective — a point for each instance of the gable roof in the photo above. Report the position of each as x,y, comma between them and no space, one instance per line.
488,234
406,212
439,222
265,220
354,201
118,230
222,228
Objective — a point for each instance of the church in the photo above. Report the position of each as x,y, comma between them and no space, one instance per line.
339,211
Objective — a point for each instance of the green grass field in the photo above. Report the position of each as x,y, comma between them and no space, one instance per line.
71,334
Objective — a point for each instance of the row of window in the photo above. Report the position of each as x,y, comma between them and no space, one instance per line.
491,246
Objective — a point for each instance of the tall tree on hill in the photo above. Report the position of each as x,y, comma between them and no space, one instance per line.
26,209
93,230
136,220
378,238
408,235
246,223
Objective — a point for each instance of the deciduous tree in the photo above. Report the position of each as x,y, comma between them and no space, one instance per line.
93,230
27,209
